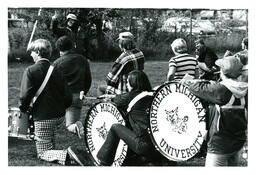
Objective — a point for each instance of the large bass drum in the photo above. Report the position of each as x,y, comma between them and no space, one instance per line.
99,119
177,122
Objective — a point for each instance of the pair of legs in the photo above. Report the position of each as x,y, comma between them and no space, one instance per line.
45,133
231,159
72,116
107,152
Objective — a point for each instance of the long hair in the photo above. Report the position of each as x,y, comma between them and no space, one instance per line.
139,80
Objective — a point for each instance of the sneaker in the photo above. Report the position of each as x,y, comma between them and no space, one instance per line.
75,155
77,128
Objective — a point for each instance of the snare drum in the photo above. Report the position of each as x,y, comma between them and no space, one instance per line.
177,122
99,120
19,124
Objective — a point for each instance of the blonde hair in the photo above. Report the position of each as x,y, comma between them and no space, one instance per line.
42,46
179,46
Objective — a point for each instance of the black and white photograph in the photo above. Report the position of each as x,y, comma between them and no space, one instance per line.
126,85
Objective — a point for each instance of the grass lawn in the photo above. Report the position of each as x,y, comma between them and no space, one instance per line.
23,153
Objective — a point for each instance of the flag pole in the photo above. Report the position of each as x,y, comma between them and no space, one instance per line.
34,28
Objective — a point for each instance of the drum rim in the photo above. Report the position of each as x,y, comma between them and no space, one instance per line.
149,129
85,132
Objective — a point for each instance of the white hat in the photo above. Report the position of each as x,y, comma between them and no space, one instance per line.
126,36
71,16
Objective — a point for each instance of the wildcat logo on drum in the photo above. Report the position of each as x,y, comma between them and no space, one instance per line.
102,131
178,124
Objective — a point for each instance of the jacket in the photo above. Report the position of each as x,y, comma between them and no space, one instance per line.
53,100
226,124
128,61
138,115
76,70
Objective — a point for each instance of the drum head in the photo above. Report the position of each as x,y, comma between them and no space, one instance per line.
98,121
177,122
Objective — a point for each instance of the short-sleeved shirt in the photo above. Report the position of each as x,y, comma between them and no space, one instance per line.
184,64
207,56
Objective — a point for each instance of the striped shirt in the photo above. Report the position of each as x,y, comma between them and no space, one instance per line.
184,64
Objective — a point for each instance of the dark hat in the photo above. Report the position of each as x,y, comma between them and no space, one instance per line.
230,66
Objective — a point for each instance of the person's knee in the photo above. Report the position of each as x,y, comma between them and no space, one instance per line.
114,126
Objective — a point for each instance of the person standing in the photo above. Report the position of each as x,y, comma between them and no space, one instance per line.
49,106
227,112
72,29
130,59
76,70
182,63
206,60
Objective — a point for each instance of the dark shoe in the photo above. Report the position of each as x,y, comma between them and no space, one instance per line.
75,155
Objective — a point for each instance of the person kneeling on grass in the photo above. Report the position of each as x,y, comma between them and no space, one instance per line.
49,106
136,137
78,78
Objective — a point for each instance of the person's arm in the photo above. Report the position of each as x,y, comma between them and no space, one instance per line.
203,66
27,91
196,73
87,77
67,94
122,101
172,70
58,31
211,91
171,73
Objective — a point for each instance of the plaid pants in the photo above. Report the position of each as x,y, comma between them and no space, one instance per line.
45,132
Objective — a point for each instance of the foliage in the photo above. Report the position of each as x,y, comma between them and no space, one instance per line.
145,24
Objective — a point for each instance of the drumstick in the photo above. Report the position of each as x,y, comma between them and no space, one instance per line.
91,98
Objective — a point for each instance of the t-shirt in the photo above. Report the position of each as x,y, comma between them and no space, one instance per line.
184,64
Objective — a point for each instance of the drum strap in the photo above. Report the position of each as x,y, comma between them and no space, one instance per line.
137,98
47,77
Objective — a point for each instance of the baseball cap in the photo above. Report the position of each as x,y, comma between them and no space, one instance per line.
71,16
230,66
125,36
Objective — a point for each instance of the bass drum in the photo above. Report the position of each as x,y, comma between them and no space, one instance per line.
177,122
99,119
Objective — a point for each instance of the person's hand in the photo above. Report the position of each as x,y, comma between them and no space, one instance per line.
227,53
107,97
56,14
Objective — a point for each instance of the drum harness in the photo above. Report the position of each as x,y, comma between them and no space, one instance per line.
137,98
41,88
